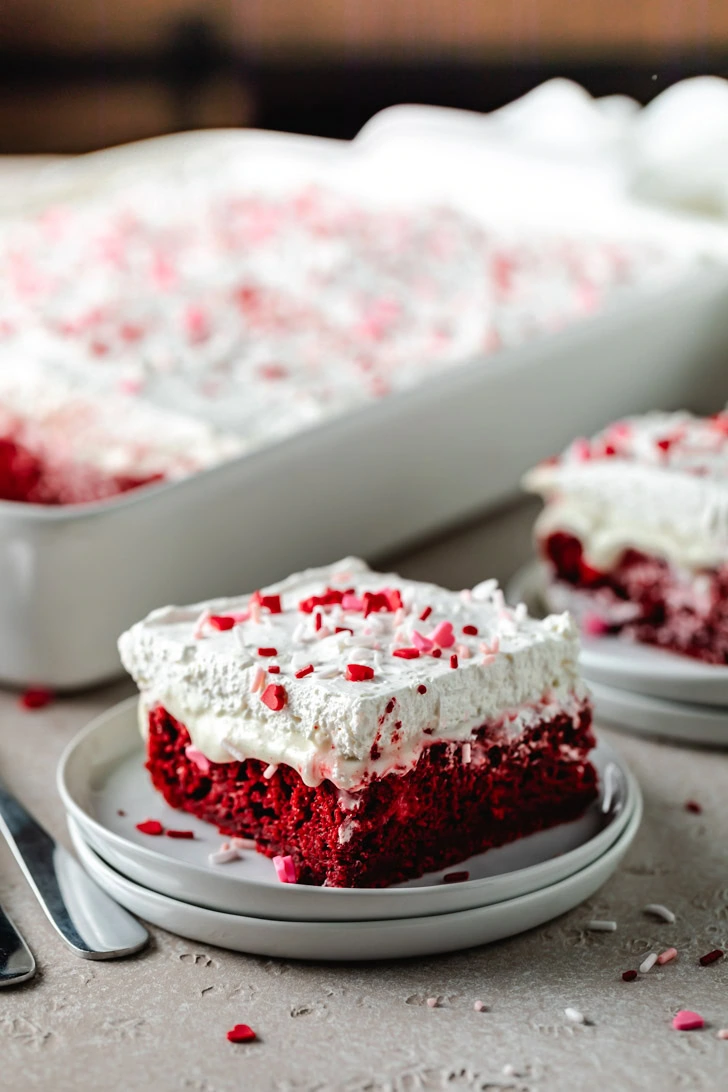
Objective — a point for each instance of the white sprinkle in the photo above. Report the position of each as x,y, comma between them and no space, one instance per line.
200,624
224,856
466,595
648,963
722,1034
479,1006
521,612
574,1016
599,925
509,1071
467,753
657,910
270,770
432,1002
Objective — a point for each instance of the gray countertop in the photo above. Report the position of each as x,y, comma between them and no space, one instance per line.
159,1020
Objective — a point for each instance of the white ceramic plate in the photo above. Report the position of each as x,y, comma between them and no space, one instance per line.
627,665
102,772
357,940
705,724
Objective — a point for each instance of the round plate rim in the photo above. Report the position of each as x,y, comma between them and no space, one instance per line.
604,866
410,896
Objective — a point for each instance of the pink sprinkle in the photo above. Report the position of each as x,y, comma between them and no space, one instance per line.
352,602
443,635
581,450
667,956
685,1020
243,843
463,652
594,626
285,869
197,757
490,648
130,385
489,658
424,644
255,610
479,1006
432,1002
196,323
722,1034
258,680
467,753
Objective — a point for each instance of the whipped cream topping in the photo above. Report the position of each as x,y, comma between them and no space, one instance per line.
657,484
259,315
363,683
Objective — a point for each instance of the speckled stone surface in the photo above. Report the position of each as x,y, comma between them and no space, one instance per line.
158,1021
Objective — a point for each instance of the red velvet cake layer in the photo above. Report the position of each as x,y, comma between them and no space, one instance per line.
28,478
444,810
685,614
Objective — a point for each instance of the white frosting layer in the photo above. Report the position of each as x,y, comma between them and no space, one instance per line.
251,316
657,484
330,727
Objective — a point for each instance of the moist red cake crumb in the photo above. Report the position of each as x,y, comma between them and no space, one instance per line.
32,479
666,612
438,813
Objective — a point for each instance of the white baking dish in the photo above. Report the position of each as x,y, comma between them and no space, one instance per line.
72,578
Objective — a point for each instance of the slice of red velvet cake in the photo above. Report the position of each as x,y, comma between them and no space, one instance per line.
634,532
368,727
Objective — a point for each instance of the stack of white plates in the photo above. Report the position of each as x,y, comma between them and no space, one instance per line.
645,689
242,905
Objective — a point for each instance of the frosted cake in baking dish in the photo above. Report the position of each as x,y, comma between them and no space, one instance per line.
147,336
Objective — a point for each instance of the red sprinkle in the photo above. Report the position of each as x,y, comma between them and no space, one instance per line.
150,826
344,629
629,976
269,602
394,598
304,672
455,877
359,672
221,621
241,1033
471,631
406,653
437,653
318,620
330,598
36,698
711,957
453,660
274,696
267,651
188,834
422,689
694,807
274,669
425,614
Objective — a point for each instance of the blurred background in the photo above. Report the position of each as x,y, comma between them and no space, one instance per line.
82,74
